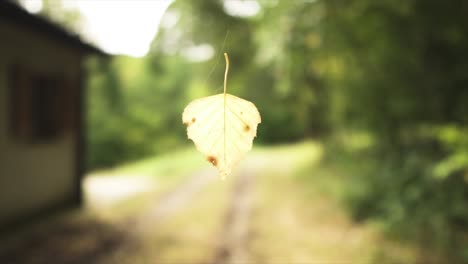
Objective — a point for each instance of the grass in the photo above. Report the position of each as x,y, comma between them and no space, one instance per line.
299,218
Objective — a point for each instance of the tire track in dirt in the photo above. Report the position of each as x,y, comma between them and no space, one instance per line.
234,238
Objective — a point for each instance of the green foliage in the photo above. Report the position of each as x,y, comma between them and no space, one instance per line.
454,141
403,84
124,95
402,194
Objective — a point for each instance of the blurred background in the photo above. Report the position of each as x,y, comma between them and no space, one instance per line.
361,156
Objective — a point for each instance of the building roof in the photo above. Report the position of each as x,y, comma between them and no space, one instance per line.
13,12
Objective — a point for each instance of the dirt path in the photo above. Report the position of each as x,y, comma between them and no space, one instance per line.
273,212
93,239
172,201
153,218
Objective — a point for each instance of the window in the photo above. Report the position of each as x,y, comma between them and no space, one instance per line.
35,114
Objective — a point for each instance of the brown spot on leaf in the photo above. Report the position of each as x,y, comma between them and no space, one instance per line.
188,123
241,113
212,160
246,128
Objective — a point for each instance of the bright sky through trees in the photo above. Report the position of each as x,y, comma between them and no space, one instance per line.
128,27
123,27
118,27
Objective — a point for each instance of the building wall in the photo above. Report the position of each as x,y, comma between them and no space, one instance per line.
35,176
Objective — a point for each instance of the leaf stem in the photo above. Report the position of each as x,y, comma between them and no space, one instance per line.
224,127
226,72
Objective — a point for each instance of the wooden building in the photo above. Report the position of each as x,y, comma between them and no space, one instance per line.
41,115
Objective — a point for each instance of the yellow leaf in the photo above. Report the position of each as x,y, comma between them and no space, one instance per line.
222,127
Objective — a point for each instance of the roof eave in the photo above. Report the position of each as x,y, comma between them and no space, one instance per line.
12,11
